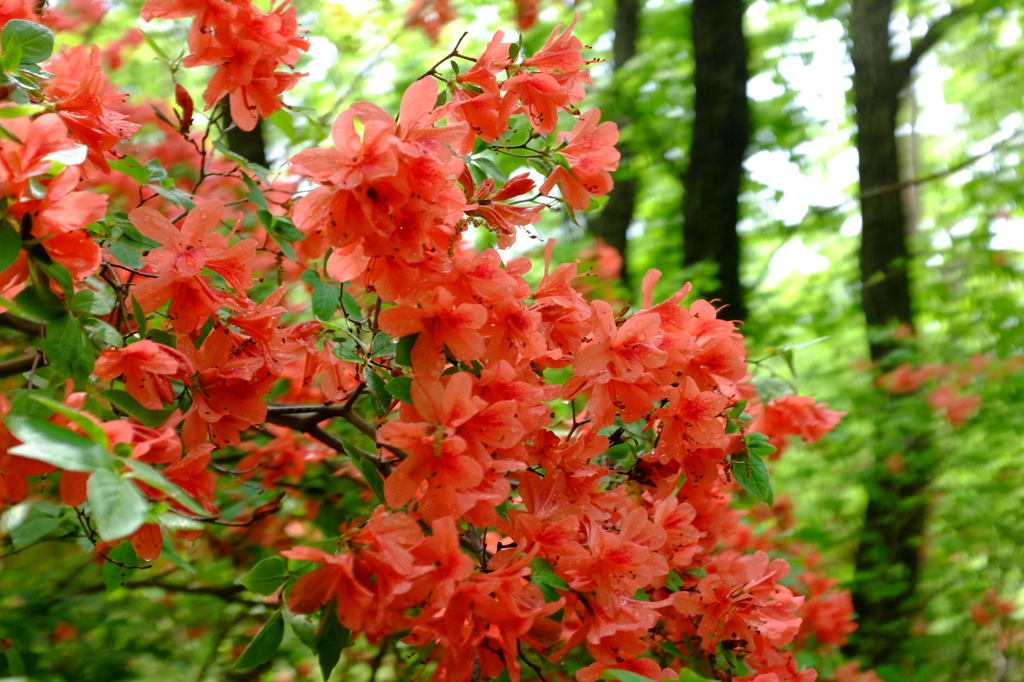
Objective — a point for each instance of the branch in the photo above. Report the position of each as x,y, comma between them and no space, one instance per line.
261,512
21,365
20,324
226,592
454,53
307,423
936,32
318,413
913,182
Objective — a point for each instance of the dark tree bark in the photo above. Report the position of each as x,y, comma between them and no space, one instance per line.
883,254
888,560
721,131
246,143
613,222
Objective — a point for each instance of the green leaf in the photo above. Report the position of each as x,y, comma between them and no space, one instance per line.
403,348
168,552
282,120
542,571
129,255
56,445
34,42
91,428
25,523
61,275
118,508
93,302
140,317
115,576
752,475
11,51
304,627
21,110
7,134
543,576
132,168
34,70
157,172
145,416
311,277
757,444
287,249
266,576
624,676
331,640
492,170
347,353
400,388
19,96
379,397
179,198
325,301
255,195
264,645
10,242
68,349
156,48
770,388
176,522
150,476
381,345
102,333
280,226
41,303
366,468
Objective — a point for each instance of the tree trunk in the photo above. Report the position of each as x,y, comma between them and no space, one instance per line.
888,556
248,144
721,131
615,219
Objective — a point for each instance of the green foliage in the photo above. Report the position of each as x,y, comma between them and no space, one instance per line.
264,645
968,289
24,43
266,576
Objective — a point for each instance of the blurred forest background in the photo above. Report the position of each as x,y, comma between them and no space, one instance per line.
844,175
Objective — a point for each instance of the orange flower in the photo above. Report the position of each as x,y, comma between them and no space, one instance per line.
591,155
147,368
80,93
180,261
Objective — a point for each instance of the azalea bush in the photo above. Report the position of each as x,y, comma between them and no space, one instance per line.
307,392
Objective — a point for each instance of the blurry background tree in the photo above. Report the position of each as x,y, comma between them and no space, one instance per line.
915,263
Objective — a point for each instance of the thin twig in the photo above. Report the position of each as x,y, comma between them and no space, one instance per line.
454,53
140,273
475,675
913,182
536,668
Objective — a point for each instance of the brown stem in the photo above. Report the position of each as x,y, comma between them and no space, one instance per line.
21,365
308,424
454,53
12,321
